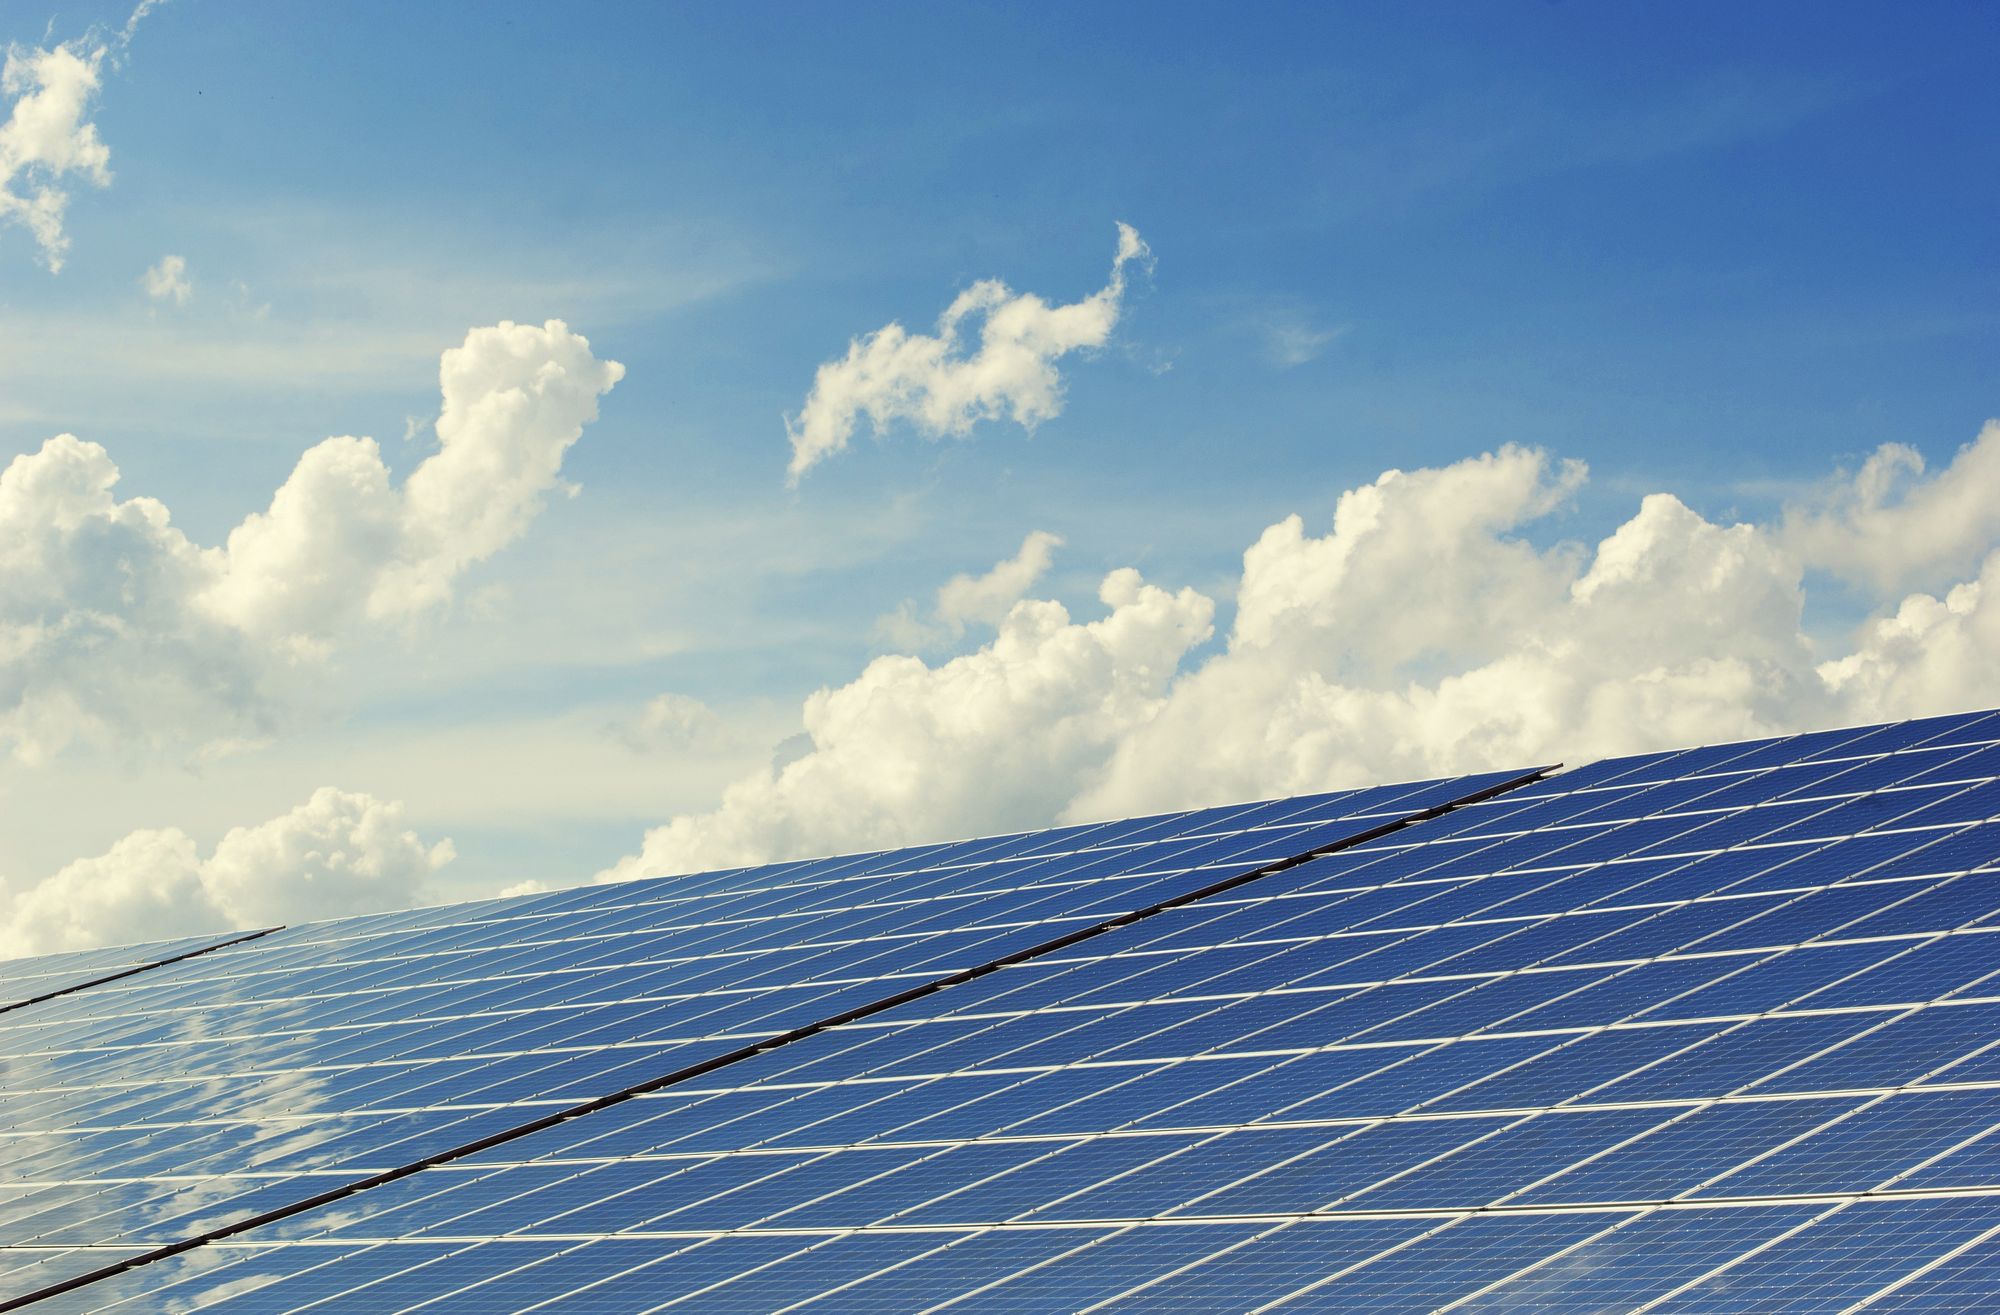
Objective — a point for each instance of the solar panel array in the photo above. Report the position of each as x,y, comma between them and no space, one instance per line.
291,1067
1708,1031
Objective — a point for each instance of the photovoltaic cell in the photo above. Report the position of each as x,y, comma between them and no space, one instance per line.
1708,1031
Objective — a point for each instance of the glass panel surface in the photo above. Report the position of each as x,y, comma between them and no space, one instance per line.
1710,1030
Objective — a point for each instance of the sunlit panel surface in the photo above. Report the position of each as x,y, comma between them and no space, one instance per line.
191,1096
1709,1031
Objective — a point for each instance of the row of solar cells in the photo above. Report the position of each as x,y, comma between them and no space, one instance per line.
1885,1256
23,981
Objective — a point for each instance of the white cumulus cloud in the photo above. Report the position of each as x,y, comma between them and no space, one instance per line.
992,738
115,626
1930,653
1673,630
987,598
1887,527
168,281
1428,629
967,599
337,853
48,139
933,383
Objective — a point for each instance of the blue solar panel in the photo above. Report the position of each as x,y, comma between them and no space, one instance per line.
1715,1030
206,1091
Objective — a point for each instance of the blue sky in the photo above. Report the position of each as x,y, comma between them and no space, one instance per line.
1719,251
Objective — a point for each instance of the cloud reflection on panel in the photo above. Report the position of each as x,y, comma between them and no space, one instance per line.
220,1139
61,1109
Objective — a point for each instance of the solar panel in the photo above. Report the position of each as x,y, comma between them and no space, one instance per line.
279,1068
1715,1030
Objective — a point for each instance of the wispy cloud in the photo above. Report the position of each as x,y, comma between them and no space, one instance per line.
338,297
1452,148
1292,336
48,141
930,382
168,281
